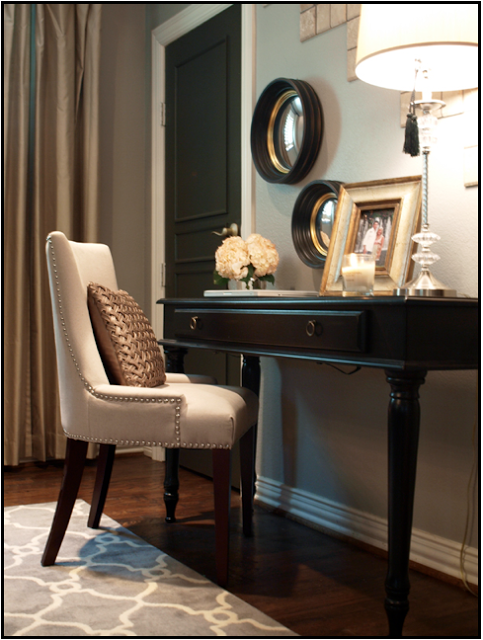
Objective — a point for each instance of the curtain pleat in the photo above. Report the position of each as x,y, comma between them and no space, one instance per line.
88,118
16,350
63,195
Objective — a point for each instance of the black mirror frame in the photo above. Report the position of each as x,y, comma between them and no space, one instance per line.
312,133
302,221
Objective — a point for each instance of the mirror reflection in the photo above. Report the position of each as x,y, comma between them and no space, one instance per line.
289,131
322,222
286,131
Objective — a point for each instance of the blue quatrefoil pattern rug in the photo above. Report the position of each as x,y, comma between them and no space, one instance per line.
108,582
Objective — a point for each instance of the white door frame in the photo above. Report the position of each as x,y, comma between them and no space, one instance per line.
163,35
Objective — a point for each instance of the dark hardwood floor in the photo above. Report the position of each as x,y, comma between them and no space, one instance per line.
316,585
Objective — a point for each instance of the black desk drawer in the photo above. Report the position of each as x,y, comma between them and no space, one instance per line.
331,330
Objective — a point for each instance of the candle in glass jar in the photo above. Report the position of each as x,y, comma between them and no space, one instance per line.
358,271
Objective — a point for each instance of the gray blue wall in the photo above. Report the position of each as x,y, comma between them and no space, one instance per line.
321,432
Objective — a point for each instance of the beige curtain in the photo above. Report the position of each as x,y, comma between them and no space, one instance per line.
51,98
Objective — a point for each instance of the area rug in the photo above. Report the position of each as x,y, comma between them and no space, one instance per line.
108,582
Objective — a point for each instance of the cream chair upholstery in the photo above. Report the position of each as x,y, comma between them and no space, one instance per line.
185,412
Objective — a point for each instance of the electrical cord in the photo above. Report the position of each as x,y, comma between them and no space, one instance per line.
346,373
470,492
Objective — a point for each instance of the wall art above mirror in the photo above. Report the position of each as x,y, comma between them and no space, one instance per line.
312,221
287,130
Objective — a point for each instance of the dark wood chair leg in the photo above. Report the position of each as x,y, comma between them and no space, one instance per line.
171,484
222,492
174,364
247,473
75,458
103,476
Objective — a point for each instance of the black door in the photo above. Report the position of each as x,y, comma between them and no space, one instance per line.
203,149
203,168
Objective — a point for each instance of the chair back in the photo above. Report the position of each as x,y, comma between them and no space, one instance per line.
71,266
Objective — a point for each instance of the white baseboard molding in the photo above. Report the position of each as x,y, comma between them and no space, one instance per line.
121,451
155,453
427,549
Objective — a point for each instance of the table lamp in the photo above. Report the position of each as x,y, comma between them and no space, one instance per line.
420,47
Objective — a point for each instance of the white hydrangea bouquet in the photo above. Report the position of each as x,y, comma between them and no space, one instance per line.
252,260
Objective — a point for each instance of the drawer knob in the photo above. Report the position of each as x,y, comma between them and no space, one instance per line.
313,328
195,323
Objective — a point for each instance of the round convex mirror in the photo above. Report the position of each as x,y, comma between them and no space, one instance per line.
286,131
312,221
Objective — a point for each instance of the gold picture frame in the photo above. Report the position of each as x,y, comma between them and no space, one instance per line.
391,205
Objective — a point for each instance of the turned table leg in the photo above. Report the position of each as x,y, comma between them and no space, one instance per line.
403,436
251,373
251,380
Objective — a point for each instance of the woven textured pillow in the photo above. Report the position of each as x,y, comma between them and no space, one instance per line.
125,338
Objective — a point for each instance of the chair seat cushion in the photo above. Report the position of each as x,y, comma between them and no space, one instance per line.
125,338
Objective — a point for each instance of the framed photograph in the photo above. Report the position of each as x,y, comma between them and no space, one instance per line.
379,218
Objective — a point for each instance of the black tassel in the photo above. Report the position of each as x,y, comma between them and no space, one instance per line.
411,140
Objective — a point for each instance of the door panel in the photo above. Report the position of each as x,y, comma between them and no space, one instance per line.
201,140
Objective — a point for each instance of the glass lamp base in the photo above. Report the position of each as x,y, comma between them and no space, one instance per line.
425,285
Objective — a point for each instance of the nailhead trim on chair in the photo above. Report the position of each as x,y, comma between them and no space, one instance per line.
103,396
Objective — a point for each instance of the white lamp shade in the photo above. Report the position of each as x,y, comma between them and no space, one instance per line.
443,36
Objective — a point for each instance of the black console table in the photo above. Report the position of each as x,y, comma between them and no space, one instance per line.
406,337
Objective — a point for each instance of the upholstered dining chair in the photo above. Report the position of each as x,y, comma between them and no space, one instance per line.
111,397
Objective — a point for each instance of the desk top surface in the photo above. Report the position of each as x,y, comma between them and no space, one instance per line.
330,301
